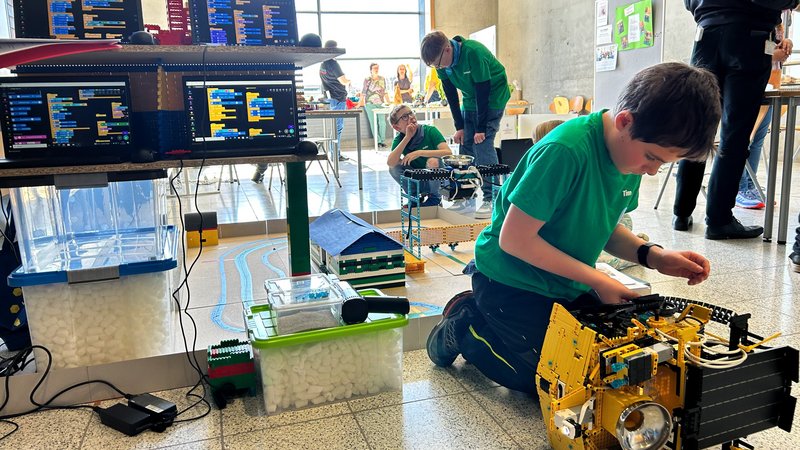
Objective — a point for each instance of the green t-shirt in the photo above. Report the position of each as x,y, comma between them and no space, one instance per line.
568,181
433,137
477,64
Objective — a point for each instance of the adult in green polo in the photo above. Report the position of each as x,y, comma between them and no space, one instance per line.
467,65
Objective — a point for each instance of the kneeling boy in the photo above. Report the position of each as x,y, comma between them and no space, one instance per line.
561,207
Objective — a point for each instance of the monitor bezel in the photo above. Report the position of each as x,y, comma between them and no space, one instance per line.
107,152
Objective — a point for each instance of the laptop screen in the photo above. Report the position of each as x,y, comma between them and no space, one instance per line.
512,151
79,118
88,19
239,115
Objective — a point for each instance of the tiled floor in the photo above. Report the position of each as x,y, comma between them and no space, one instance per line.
437,409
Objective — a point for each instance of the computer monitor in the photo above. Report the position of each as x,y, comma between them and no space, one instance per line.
68,121
244,22
242,115
82,19
512,151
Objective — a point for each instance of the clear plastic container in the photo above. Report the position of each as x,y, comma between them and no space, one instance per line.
70,229
98,322
304,303
313,367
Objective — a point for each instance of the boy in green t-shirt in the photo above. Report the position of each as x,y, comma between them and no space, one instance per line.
416,147
561,207
468,66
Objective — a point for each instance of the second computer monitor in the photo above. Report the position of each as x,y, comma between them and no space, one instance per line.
244,22
242,115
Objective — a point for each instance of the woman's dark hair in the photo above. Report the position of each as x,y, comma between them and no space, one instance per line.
674,105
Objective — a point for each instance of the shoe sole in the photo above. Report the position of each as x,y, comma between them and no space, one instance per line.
796,267
483,215
722,237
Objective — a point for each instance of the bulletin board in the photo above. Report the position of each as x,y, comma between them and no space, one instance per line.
608,84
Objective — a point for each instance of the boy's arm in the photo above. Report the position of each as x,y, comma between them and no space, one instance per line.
396,154
519,237
441,150
482,91
451,94
685,264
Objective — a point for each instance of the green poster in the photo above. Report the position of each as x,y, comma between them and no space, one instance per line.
633,25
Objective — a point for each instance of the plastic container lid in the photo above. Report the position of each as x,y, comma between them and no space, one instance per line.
20,278
260,320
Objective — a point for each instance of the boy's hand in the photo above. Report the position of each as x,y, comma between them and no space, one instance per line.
458,138
410,157
685,264
479,137
612,291
411,130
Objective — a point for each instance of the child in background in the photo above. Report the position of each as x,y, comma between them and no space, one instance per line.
545,127
416,147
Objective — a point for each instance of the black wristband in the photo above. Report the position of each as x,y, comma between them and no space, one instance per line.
643,251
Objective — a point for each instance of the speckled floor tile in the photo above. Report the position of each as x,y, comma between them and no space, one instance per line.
517,413
455,422
469,376
59,429
208,444
248,414
333,433
209,427
421,380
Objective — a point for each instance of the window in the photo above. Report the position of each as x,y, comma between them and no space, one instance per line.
386,32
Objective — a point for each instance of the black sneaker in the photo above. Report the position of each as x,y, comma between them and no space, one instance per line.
734,230
442,343
681,223
795,259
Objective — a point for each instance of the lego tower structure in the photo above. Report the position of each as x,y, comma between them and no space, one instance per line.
178,25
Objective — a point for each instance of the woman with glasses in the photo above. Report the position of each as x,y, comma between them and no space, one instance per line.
373,95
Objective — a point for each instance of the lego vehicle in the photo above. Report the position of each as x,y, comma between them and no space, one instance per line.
650,374
231,370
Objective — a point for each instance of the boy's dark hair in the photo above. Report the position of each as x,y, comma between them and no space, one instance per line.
432,46
674,105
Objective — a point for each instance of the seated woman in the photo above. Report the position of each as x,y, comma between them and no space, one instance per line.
416,147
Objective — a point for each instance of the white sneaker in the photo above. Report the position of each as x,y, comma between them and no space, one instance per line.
485,211
459,206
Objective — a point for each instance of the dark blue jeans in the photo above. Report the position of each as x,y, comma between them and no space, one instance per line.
735,54
504,342
484,153
337,105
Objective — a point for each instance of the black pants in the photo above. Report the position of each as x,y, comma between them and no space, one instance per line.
505,340
735,54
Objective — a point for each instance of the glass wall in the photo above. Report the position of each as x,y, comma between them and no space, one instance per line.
386,32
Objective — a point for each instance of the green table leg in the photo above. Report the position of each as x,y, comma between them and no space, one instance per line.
297,218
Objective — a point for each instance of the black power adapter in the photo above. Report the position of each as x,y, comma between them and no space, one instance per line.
162,413
143,412
124,419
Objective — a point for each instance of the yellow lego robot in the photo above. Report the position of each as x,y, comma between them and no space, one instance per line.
650,374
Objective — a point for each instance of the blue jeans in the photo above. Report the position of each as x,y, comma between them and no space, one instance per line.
756,146
484,153
430,187
337,105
